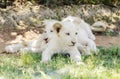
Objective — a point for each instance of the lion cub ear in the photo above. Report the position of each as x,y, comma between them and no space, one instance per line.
57,27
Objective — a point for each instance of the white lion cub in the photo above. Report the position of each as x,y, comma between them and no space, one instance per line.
81,24
64,40
85,38
40,44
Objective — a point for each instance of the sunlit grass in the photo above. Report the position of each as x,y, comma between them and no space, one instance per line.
104,65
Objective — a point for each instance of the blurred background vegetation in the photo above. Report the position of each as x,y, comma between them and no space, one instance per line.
112,3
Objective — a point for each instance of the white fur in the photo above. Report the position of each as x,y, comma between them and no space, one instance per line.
85,38
88,44
81,24
61,42
39,45
14,48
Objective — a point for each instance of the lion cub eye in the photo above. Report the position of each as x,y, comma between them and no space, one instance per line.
76,33
67,33
51,30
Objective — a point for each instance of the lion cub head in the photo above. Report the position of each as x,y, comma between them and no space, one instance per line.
65,33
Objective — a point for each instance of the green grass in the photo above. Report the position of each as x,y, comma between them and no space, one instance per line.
104,65
69,2
110,33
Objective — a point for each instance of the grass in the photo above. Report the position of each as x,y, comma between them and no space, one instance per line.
69,2
110,33
104,65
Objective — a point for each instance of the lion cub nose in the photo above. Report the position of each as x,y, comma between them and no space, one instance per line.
73,42
46,40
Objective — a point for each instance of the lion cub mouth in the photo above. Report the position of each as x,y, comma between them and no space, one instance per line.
73,43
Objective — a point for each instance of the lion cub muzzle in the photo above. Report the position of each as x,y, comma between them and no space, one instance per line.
46,40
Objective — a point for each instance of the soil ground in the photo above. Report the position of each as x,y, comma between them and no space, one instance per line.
107,40
8,37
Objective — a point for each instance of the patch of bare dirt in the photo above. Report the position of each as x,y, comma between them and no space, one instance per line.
107,40
9,37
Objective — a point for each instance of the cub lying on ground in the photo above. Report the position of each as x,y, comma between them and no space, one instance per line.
64,40
68,36
85,37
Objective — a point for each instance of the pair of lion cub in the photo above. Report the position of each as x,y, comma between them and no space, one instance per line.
71,35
